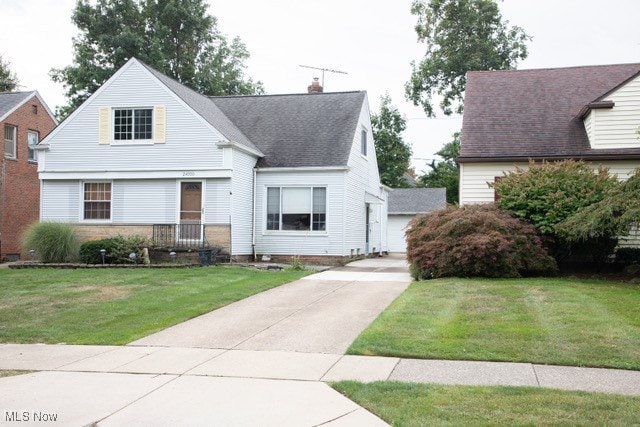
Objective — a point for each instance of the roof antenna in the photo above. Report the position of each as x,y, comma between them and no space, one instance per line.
323,70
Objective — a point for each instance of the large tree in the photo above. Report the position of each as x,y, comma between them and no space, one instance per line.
178,37
461,35
445,173
8,79
392,152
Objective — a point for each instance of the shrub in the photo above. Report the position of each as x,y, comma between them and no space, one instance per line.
474,240
628,255
546,194
52,241
125,245
90,251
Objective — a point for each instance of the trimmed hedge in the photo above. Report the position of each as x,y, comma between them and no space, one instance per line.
117,249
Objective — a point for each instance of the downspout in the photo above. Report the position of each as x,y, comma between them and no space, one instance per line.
253,216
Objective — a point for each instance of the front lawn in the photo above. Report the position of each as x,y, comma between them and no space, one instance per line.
117,306
559,321
403,404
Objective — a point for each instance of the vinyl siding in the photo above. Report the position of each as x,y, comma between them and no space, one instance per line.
189,142
242,202
217,201
474,177
60,201
616,127
143,201
301,243
362,177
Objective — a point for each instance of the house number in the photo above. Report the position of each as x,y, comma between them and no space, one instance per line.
188,173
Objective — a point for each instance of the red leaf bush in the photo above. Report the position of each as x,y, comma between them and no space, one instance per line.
475,241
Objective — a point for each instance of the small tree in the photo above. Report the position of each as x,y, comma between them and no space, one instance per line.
548,193
474,240
8,79
614,215
393,154
446,172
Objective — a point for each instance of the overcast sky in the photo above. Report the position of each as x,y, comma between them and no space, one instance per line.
372,40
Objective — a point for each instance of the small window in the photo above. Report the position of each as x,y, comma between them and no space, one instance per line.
297,208
97,200
10,141
32,140
363,142
34,109
132,124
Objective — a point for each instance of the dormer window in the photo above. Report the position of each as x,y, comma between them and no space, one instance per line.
363,142
132,124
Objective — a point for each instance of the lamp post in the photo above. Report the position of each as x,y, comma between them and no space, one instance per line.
173,256
32,252
102,254
132,257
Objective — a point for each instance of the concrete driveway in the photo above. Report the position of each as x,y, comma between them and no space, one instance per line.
321,313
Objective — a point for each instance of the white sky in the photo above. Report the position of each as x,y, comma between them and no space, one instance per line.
373,40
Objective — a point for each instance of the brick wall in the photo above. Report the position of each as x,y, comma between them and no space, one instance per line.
216,234
19,184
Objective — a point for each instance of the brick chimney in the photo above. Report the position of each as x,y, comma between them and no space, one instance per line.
315,86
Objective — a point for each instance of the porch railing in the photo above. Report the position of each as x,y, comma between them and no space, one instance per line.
180,236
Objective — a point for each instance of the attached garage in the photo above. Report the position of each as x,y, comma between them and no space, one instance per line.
404,205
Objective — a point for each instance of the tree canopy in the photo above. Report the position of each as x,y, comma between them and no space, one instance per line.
393,154
460,36
445,173
177,37
8,79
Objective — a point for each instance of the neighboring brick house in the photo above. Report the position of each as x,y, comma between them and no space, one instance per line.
25,119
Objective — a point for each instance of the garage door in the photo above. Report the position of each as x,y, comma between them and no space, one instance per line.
395,232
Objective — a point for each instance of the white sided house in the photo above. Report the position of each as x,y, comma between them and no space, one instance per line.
279,175
589,113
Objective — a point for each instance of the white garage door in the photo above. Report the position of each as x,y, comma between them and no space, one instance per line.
395,232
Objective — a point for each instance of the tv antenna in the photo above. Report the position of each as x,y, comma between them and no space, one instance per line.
323,70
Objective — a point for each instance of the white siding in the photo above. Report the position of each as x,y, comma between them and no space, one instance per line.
616,127
302,243
190,143
217,201
396,229
362,178
242,202
474,177
60,201
588,126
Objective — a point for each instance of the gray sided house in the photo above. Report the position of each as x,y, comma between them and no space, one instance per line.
404,205
281,175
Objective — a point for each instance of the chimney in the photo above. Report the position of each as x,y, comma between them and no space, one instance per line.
315,86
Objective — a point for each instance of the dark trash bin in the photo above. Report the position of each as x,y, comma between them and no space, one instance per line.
205,257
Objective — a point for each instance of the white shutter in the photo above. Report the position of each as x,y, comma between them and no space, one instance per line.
104,126
160,121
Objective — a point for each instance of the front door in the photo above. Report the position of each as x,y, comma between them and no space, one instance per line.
190,210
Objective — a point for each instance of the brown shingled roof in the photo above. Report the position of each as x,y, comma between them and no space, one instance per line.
520,114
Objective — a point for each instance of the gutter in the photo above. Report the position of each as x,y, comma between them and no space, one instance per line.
253,216
526,159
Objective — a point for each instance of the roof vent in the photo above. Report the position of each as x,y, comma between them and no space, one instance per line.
315,86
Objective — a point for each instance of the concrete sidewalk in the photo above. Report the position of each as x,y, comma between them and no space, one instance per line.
109,385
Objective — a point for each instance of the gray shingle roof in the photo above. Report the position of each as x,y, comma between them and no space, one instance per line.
205,108
410,201
299,130
535,113
9,100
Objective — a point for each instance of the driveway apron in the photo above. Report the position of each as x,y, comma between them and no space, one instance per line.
321,313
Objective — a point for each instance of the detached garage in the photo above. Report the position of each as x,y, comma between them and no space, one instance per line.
404,204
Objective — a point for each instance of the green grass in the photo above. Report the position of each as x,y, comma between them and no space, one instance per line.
117,306
403,404
559,321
